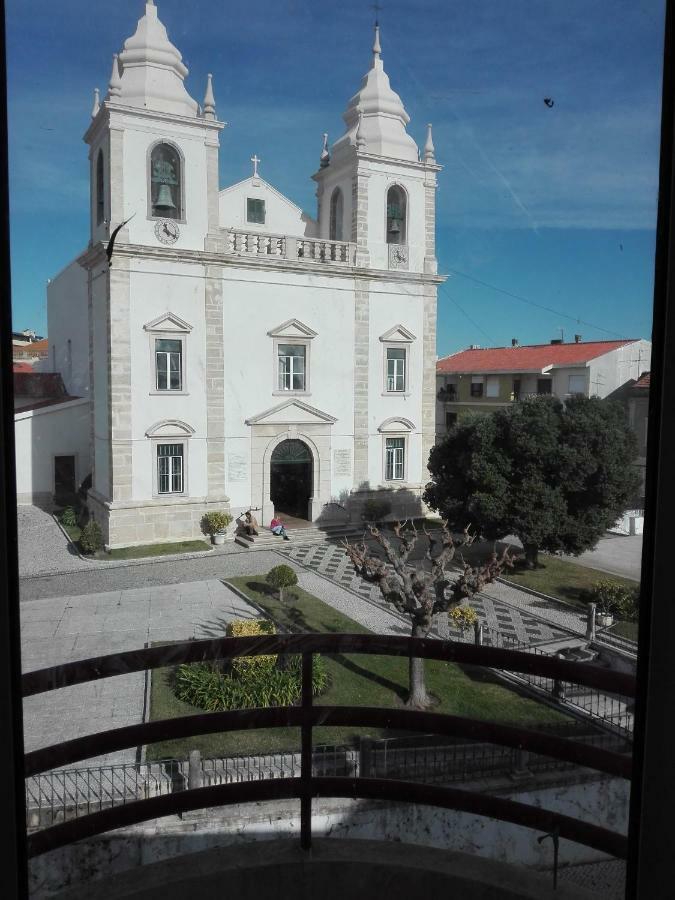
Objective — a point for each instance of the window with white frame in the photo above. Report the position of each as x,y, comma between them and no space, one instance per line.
394,459
292,360
577,384
168,364
492,386
170,470
396,368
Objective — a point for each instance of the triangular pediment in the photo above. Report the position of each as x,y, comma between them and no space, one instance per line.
293,328
292,412
168,321
398,334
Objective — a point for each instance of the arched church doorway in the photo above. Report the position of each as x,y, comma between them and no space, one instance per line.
291,478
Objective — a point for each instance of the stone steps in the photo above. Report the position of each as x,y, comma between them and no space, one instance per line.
312,535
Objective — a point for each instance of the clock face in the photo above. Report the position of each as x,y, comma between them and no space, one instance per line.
166,231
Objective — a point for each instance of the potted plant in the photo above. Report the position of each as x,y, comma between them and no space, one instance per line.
607,595
215,523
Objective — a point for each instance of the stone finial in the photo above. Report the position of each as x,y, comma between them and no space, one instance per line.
115,86
97,103
360,140
209,99
377,48
325,155
429,152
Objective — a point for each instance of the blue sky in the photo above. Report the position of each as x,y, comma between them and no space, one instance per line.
556,205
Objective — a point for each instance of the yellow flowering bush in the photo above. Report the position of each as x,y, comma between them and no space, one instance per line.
253,665
462,617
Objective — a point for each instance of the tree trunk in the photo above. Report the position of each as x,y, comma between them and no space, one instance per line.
281,595
417,695
531,555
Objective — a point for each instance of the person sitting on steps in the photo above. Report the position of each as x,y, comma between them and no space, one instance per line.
249,523
277,527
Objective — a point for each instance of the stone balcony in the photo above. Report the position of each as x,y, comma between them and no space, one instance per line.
236,242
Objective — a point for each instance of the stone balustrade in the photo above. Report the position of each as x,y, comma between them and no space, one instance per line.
310,250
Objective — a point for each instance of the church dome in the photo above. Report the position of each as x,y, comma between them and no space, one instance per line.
152,69
383,115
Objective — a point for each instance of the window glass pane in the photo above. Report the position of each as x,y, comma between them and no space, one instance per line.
174,364
298,382
577,384
255,211
395,353
492,386
162,382
167,346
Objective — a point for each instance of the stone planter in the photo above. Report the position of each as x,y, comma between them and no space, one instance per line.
219,537
605,620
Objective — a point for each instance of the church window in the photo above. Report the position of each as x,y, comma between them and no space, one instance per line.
165,182
336,208
396,215
168,364
394,455
292,369
396,366
100,189
170,468
255,210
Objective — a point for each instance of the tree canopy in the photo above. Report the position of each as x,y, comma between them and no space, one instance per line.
555,475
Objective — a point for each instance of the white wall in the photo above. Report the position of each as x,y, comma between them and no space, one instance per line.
610,371
282,216
155,290
331,179
259,302
42,434
68,320
101,387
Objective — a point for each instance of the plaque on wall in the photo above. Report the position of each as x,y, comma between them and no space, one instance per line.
342,462
237,467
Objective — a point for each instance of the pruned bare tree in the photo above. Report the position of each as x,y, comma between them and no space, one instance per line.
421,592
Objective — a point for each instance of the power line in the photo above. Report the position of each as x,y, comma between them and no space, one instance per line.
549,309
464,313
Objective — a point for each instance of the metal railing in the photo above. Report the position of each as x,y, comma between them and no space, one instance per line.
307,716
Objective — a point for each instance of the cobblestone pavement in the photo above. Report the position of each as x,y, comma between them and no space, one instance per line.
43,547
607,878
505,609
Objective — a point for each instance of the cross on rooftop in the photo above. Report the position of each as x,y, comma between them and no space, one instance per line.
255,161
377,8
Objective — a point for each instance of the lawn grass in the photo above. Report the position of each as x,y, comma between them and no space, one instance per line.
355,680
627,630
563,579
156,550
73,532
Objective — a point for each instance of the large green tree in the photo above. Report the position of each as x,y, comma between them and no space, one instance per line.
554,474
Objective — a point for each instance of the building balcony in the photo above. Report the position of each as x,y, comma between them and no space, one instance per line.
447,395
333,862
278,246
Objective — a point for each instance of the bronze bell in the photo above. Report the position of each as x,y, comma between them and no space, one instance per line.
164,198
395,227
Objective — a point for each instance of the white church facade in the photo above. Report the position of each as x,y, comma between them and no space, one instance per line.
237,352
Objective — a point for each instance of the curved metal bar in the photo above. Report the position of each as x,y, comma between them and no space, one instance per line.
396,719
227,648
368,788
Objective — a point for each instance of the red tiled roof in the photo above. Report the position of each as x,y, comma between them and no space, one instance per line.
643,381
527,358
22,367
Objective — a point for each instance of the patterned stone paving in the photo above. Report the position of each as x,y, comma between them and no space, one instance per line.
330,561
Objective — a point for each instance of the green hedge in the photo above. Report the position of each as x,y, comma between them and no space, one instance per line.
207,687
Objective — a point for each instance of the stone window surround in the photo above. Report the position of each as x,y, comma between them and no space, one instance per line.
388,341
404,429
179,332
303,341
179,433
148,168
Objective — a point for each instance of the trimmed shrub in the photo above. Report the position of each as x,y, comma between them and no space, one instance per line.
203,685
244,665
281,577
91,539
68,517
376,510
614,599
215,521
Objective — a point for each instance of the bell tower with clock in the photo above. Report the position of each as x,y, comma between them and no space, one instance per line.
153,149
